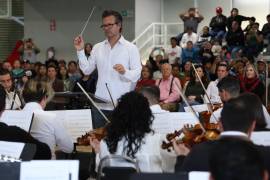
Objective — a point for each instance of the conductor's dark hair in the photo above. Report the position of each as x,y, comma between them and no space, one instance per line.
117,15
131,120
232,158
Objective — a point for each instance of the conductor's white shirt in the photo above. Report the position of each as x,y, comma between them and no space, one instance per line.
104,58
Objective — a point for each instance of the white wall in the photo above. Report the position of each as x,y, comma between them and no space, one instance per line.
70,16
258,9
208,9
146,12
172,9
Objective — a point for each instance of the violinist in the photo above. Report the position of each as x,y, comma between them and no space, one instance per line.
129,133
238,120
229,88
46,127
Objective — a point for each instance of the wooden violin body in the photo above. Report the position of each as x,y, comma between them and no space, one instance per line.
194,134
98,133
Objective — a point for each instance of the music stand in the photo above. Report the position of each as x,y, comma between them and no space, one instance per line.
10,170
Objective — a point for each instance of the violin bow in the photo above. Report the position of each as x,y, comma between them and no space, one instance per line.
93,102
208,98
87,21
190,107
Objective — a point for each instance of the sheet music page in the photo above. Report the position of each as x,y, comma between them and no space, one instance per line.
21,119
195,175
12,149
261,138
197,108
77,122
50,170
165,123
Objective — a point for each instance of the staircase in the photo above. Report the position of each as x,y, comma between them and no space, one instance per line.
156,35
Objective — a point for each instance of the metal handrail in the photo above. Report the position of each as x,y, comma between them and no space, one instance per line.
152,34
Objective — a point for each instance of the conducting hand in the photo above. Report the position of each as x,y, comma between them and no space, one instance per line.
119,68
79,43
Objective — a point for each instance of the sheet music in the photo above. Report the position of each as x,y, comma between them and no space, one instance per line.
50,170
22,119
12,149
261,138
195,175
198,108
167,122
77,122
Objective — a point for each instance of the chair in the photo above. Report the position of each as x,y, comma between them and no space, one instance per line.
116,167
160,176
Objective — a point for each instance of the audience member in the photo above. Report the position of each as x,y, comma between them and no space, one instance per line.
218,24
146,78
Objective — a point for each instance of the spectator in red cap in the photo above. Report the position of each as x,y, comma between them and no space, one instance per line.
218,24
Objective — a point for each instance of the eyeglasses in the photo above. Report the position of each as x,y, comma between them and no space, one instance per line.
107,25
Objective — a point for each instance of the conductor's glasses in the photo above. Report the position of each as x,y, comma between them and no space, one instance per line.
103,26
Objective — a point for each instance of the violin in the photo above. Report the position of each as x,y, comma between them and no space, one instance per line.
192,135
98,133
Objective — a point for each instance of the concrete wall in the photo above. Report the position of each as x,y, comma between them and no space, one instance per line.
258,9
147,12
70,16
172,9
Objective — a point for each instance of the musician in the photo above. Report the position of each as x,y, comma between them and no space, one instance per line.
152,94
7,82
129,133
236,159
238,120
212,90
229,88
117,60
16,134
45,126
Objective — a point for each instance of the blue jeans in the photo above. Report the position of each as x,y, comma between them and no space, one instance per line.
217,34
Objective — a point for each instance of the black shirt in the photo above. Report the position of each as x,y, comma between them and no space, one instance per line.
16,134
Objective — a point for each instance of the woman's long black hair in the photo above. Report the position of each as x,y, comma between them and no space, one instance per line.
131,120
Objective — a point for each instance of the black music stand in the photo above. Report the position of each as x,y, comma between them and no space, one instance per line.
10,170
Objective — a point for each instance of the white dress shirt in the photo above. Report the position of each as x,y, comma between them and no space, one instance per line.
47,129
104,58
150,157
9,99
217,114
233,133
212,92
193,37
